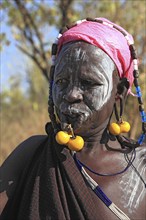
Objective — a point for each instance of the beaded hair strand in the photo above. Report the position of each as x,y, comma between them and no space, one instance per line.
135,75
50,101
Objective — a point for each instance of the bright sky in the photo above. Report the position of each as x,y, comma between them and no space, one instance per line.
12,60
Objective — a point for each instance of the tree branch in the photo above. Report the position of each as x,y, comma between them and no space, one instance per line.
29,24
64,8
44,71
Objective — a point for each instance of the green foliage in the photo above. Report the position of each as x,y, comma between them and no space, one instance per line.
38,86
3,40
13,95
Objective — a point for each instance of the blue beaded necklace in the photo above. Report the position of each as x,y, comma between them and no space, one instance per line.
98,191
129,163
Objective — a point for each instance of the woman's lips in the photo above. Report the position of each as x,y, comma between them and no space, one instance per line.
74,114
76,120
72,118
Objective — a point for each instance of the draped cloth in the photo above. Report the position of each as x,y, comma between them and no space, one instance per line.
51,188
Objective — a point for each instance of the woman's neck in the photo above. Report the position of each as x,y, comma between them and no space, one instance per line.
94,135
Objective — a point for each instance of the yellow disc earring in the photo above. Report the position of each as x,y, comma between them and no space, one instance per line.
119,127
114,128
74,143
62,137
124,127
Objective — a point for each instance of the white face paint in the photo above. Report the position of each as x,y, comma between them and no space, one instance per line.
132,186
105,66
84,77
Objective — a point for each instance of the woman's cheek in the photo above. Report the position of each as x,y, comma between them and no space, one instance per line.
94,99
57,96
54,95
101,96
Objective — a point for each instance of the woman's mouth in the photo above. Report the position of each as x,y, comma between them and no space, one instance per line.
73,116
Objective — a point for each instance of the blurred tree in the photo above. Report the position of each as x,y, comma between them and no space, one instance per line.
13,99
27,18
30,19
130,14
22,111
37,91
14,94
31,22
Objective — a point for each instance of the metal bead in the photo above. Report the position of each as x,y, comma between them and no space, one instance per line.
136,73
54,49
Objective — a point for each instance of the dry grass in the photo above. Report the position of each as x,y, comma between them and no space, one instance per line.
15,129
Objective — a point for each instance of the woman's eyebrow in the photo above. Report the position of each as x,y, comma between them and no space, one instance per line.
95,76
61,70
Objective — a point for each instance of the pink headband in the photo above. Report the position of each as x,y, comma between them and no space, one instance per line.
107,38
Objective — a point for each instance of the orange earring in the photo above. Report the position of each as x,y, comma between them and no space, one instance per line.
119,127
74,143
114,128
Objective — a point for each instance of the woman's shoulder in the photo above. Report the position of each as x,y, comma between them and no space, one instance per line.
25,148
141,152
13,166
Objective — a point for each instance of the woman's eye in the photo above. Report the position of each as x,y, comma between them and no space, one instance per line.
89,83
61,81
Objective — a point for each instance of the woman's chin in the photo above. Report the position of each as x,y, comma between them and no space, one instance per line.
76,126
78,122
80,129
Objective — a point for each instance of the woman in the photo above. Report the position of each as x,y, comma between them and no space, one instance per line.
57,176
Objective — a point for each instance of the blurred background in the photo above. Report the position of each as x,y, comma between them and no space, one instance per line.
27,30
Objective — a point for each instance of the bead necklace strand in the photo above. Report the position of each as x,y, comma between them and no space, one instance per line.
98,191
101,174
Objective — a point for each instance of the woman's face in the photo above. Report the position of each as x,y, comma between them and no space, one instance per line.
83,87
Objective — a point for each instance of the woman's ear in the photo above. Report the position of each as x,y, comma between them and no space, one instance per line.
122,87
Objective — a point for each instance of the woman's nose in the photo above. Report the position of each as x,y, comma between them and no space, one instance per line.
74,95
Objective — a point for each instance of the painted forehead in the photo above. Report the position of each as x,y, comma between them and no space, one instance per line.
84,52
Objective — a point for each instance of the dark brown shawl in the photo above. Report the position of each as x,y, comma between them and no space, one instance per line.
51,187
